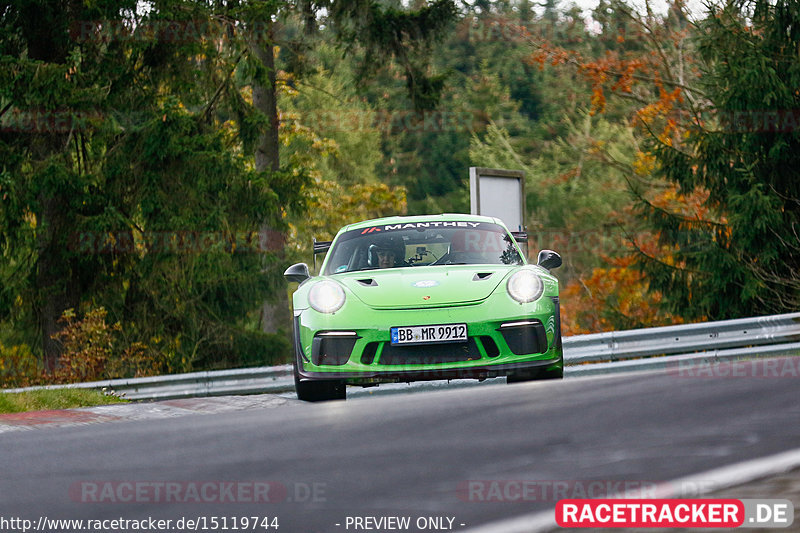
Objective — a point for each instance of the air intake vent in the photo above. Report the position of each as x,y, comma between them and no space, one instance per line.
329,349
490,346
429,354
368,355
525,337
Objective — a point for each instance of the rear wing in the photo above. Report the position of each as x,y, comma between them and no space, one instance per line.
320,247
522,239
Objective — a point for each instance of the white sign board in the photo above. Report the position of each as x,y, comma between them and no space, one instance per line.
498,193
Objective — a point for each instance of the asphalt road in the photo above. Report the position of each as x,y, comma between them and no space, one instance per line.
431,456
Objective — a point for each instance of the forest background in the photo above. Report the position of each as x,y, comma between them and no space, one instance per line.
162,162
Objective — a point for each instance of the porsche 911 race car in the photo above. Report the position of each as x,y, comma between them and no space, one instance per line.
416,298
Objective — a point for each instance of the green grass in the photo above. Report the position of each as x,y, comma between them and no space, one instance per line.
38,400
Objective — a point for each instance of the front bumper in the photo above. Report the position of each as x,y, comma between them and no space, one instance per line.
337,347
407,376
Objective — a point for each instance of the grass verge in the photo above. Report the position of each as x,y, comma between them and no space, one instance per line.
38,400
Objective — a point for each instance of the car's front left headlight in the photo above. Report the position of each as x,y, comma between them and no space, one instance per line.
525,286
326,296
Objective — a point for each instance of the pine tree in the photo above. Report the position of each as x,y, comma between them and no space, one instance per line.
744,259
123,185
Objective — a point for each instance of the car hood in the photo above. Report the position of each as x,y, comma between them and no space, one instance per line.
420,287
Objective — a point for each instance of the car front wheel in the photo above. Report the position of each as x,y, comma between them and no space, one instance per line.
318,391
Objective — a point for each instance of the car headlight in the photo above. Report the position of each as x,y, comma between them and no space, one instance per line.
326,297
525,286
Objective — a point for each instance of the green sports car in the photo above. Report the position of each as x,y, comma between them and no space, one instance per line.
417,298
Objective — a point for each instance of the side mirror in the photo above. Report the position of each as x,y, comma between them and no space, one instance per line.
548,259
298,273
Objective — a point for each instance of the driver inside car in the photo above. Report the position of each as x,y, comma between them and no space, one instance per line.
385,259
385,253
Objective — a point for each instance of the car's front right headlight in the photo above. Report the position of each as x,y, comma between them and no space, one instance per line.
525,286
326,296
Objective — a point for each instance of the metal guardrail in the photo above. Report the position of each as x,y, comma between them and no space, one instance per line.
695,364
637,349
258,380
681,339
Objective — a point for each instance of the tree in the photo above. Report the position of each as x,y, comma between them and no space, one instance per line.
642,77
714,103
141,167
743,258
335,136
380,33
578,163
125,184
44,83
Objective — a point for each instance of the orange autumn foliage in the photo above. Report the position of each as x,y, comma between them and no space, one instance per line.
652,74
617,296
614,297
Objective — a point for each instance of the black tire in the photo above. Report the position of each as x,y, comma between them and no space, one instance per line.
318,391
535,375
321,391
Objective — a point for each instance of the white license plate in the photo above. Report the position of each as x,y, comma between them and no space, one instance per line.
429,334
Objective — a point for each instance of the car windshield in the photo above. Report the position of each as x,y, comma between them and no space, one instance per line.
422,244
